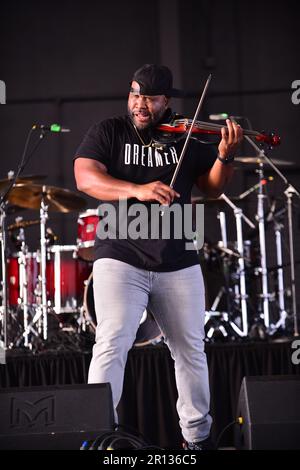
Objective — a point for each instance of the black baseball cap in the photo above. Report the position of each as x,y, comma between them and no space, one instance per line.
156,80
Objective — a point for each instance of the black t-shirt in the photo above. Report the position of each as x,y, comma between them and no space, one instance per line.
115,143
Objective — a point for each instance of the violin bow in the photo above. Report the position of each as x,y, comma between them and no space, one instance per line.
183,151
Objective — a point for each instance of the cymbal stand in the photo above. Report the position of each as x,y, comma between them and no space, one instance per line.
43,279
222,219
282,312
289,193
4,306
42,307
238,213
262,243
23,281
23,298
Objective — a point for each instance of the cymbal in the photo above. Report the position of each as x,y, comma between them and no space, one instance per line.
23,224
21,179
257,160
57,199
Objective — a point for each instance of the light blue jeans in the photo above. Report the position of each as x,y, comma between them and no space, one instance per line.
177,301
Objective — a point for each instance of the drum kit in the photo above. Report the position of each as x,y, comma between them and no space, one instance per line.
55,281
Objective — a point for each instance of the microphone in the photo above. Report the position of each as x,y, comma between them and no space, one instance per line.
51,128
218,117
223,116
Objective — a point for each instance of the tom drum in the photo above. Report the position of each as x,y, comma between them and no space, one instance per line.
86,233
66,277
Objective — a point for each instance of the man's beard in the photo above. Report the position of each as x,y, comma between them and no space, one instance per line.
153,118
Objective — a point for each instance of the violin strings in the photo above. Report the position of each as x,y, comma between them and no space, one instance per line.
212,126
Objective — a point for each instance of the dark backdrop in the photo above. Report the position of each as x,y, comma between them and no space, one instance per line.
70,62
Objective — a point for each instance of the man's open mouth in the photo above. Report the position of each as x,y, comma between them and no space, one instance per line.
142,116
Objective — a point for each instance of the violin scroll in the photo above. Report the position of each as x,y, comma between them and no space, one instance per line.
273,140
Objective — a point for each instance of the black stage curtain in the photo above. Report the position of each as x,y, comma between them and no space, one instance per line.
149,397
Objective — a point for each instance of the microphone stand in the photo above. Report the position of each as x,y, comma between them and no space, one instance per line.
289,193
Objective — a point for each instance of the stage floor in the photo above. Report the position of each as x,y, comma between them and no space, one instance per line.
148,402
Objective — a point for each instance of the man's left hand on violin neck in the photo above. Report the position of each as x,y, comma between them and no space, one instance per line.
232,136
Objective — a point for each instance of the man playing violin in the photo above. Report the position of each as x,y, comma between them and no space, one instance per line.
119,160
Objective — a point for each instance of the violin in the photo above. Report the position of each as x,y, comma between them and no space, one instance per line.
188,127
180,127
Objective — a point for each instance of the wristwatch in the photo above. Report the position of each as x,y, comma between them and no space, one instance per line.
226,160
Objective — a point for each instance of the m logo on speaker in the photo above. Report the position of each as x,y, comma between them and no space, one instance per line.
48,417
27,414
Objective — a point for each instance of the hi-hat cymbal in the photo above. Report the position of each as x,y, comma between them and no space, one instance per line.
57,199
257,160
22,179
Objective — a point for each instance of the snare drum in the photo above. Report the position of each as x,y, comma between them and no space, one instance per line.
148,332
16,278
87,226
66,276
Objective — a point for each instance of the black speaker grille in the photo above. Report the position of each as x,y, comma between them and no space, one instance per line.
58,417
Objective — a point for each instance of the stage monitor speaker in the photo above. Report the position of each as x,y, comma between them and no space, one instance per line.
54,417
269,407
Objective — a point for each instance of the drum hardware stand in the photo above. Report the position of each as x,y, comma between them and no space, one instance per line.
222,219
238,213
82,323
23,301
289,193
23,281
4,306
226,326
42,305
222,324
262,243
282,312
